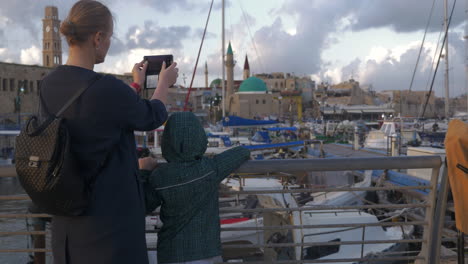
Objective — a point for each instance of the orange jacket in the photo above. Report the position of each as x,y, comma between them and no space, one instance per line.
456,147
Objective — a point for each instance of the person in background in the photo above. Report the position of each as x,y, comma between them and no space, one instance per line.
186,188
101,124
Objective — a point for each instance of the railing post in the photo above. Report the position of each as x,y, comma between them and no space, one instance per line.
394,146
438,225
39,241
356,138
429,219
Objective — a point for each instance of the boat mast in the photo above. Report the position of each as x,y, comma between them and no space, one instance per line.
466,53
223,88
447,97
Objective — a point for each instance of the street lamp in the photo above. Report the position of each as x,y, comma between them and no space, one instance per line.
19,92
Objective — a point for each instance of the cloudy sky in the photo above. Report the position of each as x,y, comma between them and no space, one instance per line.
374,41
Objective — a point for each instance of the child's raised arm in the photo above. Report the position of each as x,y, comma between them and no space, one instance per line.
230,160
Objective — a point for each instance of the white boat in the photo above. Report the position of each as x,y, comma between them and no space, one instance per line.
381,139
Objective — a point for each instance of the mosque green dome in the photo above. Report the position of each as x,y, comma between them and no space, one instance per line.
253,84
216,83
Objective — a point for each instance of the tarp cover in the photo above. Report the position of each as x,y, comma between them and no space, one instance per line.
456,147
277,145
239,121
281,128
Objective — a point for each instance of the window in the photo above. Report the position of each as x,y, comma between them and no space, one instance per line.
281,85
25,86
4,84
276,85
12,85
31,86
38,85
47,60
264,101
256,101
317,252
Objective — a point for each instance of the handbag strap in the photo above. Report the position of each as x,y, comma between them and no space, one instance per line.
77,94
52,117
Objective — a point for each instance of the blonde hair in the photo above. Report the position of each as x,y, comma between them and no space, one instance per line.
85,18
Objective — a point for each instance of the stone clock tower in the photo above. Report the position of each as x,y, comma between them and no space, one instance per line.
51,42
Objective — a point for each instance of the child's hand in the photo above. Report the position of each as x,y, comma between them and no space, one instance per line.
147,163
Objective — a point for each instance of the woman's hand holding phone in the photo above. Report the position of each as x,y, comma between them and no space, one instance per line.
168,75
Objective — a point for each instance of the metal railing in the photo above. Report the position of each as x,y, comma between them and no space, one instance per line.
266,251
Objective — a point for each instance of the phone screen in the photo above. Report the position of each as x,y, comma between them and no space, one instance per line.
151,81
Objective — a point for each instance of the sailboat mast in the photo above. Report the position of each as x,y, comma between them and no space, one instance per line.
466,53
223,92
447,97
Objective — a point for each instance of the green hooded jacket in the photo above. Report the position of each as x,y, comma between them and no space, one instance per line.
187,189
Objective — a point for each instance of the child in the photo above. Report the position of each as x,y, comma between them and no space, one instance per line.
186,187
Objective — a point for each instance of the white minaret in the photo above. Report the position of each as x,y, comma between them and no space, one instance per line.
229,73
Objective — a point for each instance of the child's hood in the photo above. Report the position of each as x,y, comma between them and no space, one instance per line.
184,138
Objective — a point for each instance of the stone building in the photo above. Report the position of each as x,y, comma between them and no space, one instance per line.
253,100
279,82
410,103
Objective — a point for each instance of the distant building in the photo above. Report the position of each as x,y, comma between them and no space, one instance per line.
410,103
253,100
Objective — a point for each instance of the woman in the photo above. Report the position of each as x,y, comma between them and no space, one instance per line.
101,123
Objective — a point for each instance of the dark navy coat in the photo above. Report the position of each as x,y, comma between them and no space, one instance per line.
101,123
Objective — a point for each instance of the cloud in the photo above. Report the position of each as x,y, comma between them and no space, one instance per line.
402,15
27,14
300,52
394,70
198,33
31,55
152,36
164,6
2,39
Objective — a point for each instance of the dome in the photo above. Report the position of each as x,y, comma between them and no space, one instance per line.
253,84
216,83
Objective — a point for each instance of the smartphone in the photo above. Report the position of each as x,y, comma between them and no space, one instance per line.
154,68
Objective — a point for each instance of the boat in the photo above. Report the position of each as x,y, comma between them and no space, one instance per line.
381,139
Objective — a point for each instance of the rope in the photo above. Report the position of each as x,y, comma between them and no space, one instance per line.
251,37
422,45
432,67
198,57
438,60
